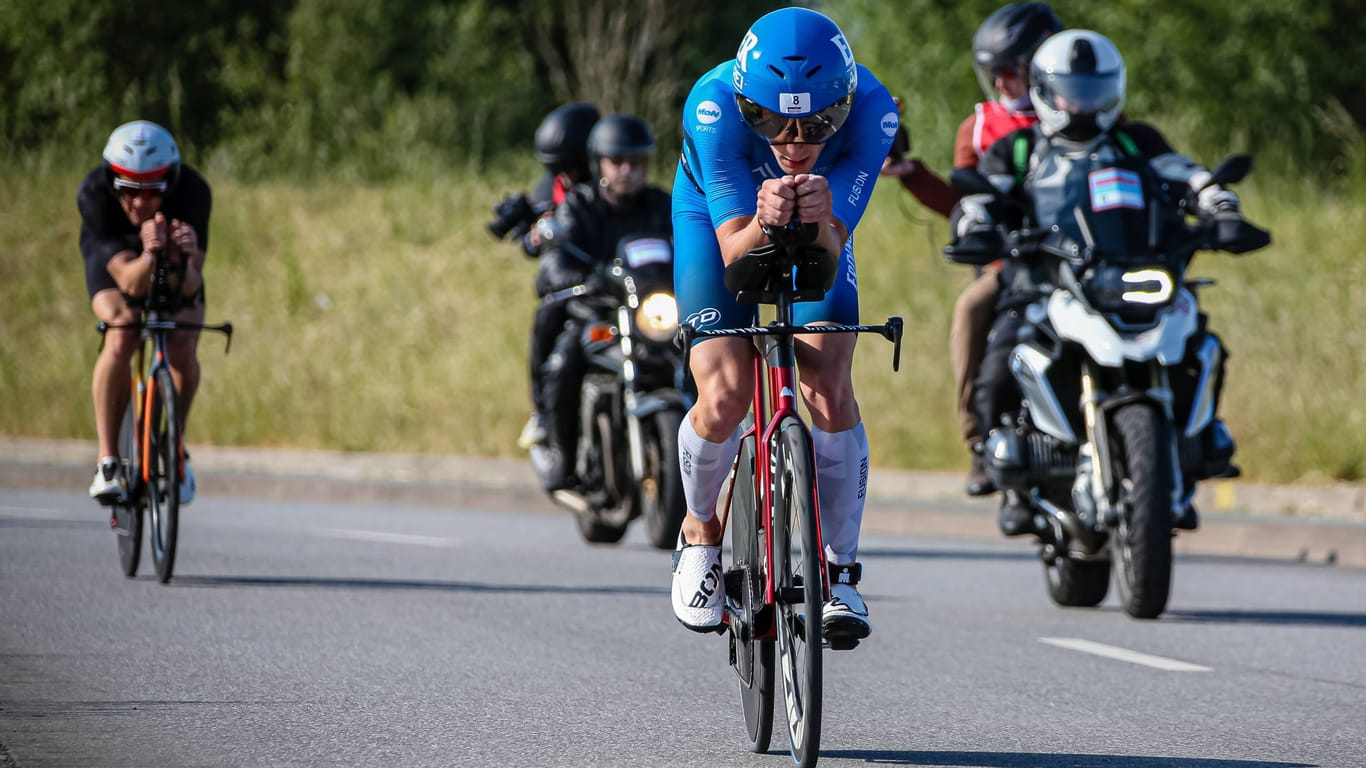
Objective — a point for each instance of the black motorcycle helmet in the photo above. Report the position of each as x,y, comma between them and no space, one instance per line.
562,139
618,135
1008,39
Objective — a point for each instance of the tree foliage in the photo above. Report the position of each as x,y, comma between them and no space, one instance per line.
379,90
1263,76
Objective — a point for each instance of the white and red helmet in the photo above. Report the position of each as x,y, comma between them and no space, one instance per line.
142,153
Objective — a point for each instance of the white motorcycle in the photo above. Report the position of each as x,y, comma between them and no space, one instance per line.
1116,375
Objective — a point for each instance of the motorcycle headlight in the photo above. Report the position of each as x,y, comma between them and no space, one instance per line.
657,317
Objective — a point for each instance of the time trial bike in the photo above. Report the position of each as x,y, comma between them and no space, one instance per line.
151,448
777,581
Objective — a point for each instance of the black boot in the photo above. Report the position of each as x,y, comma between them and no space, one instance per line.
979,483
1016,518
556,464
1188,520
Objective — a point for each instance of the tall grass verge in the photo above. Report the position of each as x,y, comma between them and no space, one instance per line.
385,318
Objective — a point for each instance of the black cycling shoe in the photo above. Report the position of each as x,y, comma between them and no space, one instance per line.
979,483
1016,518
1188,520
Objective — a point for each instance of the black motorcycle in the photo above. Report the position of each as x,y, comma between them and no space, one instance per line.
633,399
1116,378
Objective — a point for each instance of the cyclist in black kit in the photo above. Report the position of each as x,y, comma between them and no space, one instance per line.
139,200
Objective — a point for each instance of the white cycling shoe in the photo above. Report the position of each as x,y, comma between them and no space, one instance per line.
108,486
699,592
846,615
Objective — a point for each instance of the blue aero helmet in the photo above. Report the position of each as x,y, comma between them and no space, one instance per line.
794,77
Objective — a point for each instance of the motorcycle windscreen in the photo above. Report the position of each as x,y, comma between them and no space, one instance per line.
1099,201
649,259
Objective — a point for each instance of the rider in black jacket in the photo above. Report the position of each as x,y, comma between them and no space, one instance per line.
1077,87
585,234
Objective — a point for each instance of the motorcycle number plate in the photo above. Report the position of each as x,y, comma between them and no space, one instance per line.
649,250
1115,188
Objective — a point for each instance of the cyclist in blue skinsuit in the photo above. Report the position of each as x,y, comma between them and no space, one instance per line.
793,127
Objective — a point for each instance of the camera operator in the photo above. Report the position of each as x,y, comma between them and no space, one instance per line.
562,147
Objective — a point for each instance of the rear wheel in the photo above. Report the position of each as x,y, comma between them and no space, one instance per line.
1143,542
661,491
163,475
128,517
745,590
801,598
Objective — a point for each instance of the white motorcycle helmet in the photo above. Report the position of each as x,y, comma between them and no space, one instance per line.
141,154
1076,83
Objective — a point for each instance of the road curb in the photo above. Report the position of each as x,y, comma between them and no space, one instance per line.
1320,524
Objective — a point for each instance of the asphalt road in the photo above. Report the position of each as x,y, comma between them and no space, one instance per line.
307,634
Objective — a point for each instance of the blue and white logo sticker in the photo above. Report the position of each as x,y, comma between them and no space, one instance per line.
703,318
890,122
708,112
1115,188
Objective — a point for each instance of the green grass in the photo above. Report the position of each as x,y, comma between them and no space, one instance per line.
384,318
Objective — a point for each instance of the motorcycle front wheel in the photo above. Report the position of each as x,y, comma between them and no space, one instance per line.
661,491
604,516
1143,542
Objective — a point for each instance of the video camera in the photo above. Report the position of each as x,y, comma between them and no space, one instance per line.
514,215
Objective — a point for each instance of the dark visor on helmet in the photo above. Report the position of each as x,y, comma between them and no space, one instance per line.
815,128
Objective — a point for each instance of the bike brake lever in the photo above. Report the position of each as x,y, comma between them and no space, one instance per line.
892,331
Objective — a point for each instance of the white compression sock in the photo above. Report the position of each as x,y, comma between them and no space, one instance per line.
842,476
705,465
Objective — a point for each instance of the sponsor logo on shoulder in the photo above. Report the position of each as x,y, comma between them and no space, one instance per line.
890,121
709,112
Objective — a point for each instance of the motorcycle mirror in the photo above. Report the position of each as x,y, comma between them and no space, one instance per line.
969,181
1231,170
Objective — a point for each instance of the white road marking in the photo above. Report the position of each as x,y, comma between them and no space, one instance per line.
1123,654
390,538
